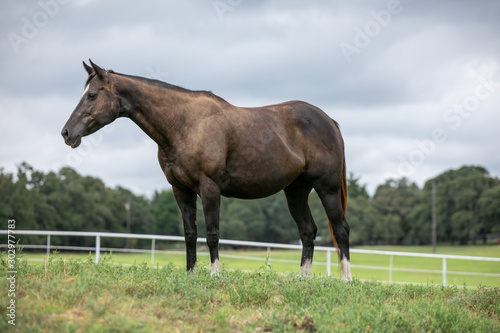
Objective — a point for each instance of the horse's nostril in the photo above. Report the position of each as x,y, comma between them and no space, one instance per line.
65,133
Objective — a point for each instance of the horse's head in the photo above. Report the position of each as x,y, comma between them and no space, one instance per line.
98,107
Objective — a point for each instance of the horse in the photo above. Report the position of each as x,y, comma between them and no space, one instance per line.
210,148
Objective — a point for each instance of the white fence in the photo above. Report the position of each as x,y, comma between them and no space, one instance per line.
268,246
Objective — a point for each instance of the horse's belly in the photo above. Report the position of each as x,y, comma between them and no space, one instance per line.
248,193
252,190
261,177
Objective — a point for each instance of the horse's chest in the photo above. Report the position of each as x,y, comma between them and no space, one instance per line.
178,177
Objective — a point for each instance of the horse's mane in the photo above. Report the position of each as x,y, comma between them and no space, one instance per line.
165,85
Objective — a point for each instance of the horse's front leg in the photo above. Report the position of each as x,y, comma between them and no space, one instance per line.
210,198
186,200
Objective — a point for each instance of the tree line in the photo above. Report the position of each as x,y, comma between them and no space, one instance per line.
467,210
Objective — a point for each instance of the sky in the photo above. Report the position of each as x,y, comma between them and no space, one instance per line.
415,85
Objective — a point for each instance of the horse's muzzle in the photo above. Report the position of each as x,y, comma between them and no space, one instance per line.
72,142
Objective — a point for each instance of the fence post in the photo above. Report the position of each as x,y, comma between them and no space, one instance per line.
328,262
48,245
153,252
390,268
444,271
97,248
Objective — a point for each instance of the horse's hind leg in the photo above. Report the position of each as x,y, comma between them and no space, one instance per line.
296,195
210,199
333,207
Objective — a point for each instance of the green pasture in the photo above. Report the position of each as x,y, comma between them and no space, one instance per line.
364,266
64,294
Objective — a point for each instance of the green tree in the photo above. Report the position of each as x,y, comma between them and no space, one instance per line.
231,226
457,204
420,232
489,205
15,198
18,202
279,226
166,213
394,201
366,224
399,213
364,220
355,189
7,188
239,219
243,220
69,201
141,218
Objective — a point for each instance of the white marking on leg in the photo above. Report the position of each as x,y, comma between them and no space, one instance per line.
215,268
306,268
345,266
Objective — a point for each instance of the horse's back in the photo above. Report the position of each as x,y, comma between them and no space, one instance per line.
317,133
321,137
283,141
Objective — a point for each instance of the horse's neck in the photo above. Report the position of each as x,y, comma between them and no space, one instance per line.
155,110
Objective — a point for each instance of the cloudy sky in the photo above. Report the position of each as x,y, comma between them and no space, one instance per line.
415,85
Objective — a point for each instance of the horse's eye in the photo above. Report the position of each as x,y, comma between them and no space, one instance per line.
91,96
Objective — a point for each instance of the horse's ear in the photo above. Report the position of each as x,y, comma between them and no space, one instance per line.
89,69
101,73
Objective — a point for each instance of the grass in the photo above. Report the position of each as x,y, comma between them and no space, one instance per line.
360,263
75,295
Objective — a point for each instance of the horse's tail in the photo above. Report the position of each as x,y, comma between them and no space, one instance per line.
342,196
343,199
343,190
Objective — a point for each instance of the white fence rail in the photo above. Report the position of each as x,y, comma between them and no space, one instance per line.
268,246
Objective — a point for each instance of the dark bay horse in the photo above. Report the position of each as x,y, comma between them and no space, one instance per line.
208,147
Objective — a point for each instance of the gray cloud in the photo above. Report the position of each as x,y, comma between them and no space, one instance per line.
408,70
